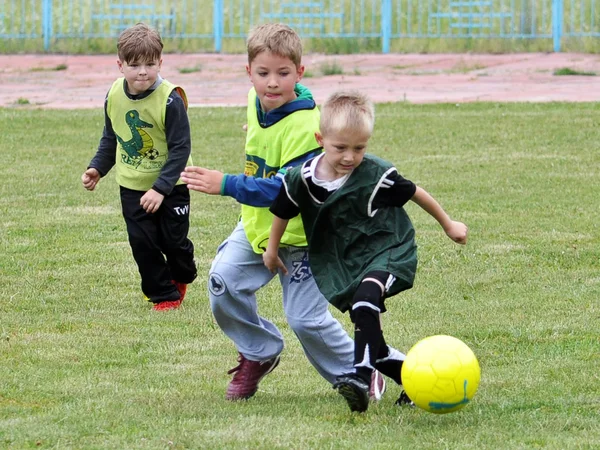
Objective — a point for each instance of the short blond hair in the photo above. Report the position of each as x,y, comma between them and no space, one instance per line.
139,43
276,38
345,110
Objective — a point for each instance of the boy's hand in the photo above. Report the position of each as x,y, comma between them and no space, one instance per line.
90,179
273,262
151,201
203,180
457,231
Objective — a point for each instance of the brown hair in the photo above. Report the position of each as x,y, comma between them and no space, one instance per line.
139,43
276,38
347,110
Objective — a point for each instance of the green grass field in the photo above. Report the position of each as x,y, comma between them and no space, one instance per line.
85,363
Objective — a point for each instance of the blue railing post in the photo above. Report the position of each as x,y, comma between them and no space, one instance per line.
557,23
218,24
47,23
386,25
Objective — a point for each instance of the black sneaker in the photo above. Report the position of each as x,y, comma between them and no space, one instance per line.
355,390
404,400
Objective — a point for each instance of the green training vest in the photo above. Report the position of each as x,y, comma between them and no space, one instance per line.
346,240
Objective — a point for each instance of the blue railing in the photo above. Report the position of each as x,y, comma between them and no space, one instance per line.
389,21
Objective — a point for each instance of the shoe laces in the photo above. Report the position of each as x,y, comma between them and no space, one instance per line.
237,368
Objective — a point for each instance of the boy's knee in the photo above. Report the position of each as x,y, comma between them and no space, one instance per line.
217,286
297,325
223,285
304,326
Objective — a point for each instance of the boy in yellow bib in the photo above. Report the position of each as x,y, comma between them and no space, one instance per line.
282,121
147,138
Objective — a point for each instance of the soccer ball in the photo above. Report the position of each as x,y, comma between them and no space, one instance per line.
152,154
440,374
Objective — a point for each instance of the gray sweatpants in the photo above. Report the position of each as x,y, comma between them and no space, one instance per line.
237,272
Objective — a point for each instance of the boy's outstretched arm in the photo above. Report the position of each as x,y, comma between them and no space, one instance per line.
246,189
271,255
457,231
203,180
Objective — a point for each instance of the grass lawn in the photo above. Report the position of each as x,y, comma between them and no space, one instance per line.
85,363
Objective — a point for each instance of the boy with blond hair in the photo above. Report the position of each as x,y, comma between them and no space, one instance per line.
361,241
146,137
282,118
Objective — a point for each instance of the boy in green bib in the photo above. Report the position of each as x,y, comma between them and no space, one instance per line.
360,240
146,137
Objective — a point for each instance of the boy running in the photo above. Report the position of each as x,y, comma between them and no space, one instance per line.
282,118
147,137
360,239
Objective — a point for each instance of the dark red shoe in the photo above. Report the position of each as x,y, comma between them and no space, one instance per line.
247,376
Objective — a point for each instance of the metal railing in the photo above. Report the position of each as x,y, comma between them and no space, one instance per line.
204,25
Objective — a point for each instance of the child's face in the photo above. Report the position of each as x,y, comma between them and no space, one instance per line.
140,75
274,78
344,150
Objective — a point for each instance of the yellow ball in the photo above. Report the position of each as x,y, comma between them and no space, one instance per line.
440,374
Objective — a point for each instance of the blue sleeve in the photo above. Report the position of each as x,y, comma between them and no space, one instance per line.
252,191
260,192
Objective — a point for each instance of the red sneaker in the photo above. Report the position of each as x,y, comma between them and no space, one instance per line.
247,376
173,304
163,306
182,288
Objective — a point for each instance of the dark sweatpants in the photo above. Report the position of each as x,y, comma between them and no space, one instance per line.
159,242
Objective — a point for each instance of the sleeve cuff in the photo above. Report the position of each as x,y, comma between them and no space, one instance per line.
224,184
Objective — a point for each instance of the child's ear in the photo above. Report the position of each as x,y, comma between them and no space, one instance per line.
319,138
299,73
248,71
120,65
